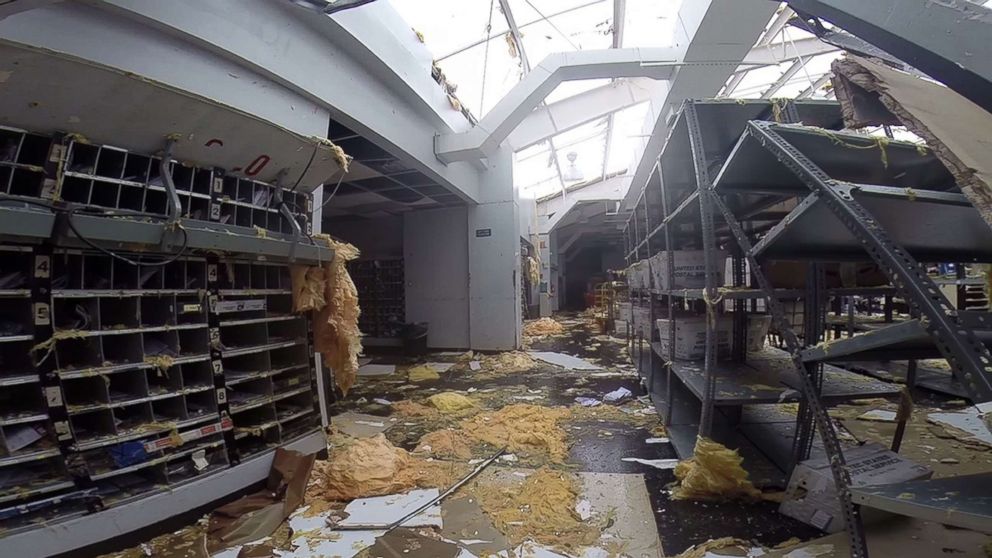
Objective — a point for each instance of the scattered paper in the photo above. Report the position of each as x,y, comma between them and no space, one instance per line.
656,463
968,420
617,395
384,510
21,436
588,401
200,460
565,361
441,366
475,365
878,415
377,370
584,509
381,401
656,441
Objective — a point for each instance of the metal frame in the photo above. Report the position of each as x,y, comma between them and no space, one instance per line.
956,342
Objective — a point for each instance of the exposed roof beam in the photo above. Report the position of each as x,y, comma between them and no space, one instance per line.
709,29
515,31
619,13
808,92
785,52
513,108
521,26
782,79
772,54
776,26
585,107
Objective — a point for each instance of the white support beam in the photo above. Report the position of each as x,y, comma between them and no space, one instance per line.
657,63
808,92
585,107
777,53
782,80
771,54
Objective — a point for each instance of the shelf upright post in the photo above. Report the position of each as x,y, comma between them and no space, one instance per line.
669,300
813,322
704,186
831,445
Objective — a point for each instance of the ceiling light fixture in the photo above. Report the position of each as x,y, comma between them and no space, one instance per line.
572,173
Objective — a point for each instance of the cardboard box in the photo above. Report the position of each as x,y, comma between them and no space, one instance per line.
621,328
689,269
812,498
757,330
639,275
690,336
642,321
623,310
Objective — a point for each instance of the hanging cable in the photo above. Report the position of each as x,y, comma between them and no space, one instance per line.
305,169
485,59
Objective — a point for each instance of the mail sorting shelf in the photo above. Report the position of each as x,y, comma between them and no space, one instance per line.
133,361
381,288
31,464
113,178
265,352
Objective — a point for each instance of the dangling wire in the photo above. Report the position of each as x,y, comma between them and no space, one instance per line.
485,58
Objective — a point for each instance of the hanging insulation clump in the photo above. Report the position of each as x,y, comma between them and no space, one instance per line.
331,295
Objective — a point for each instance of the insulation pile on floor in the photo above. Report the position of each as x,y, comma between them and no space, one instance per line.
714,472
509,362
331,295
530,430
542,510
542,327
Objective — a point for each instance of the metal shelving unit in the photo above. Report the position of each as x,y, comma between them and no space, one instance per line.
770,190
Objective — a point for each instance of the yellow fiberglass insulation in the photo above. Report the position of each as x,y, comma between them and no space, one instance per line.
714,472
335,327
450,402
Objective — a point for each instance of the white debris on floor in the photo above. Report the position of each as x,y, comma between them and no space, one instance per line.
968,421
384,510
565,361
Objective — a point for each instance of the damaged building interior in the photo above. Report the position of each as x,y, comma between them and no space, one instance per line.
504,278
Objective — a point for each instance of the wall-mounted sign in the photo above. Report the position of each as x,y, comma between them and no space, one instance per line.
479,233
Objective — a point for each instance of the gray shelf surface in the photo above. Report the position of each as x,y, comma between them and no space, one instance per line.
963,501
49,539
769,377
932,226
933,378
905,340
31,224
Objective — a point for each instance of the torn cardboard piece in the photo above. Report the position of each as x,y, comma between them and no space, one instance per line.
812,498
258,515
953,126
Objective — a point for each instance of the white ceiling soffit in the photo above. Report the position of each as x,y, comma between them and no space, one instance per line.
484,139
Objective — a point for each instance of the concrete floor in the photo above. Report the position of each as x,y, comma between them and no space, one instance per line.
679,524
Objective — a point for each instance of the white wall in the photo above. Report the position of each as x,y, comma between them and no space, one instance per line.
436,266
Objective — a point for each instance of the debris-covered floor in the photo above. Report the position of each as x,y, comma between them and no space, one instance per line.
585,468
